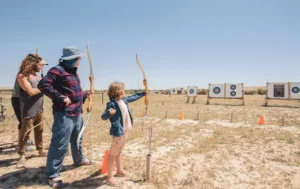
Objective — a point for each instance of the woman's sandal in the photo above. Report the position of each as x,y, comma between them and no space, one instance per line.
42,153
55,183
21,164
112,182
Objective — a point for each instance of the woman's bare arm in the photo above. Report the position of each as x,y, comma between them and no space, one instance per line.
26,86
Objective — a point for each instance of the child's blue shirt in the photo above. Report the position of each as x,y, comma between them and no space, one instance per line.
116,120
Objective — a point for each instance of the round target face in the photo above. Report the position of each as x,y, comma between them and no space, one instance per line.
232,93
295,89
217,90
233,87
192,91
173,91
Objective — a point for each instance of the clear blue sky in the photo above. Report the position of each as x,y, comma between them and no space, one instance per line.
180,43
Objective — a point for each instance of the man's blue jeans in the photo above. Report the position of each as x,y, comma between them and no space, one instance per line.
65,129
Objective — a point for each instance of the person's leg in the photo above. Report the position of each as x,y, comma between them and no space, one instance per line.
118,157
188,100
120,169
110,163
15,101
23,137
38,133
119,162
16,106
110,180
61,133
194,100
114,151
77,155
115,154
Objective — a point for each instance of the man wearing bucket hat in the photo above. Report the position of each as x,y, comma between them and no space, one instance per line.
62,85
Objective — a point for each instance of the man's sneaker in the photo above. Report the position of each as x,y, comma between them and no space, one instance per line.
30,142
28,148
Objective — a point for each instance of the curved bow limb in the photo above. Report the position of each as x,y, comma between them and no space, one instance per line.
37,126
146,90
90,97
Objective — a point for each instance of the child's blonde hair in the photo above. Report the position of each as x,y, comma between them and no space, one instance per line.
115,89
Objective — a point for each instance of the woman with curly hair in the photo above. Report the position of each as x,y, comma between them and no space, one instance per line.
31,105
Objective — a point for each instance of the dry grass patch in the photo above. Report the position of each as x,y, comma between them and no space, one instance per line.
211,152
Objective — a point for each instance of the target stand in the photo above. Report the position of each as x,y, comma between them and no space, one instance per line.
191,92
282,91
226,91
188,100
2,113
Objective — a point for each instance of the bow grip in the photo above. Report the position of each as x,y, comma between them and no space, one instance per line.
146,90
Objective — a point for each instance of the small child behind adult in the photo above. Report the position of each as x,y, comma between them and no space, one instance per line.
117,111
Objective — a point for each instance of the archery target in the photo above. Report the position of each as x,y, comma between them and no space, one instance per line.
234,90
295,90
192,91
232,93
278,90
216,90
173,91
233,87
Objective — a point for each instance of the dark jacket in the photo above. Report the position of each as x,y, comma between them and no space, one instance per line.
61,82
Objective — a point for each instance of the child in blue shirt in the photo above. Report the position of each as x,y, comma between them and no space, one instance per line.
117,111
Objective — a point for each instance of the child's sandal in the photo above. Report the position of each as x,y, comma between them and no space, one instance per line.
112,182
121,174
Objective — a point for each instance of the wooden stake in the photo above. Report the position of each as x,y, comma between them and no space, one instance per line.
266,99
225,90
283,121
243,92
166,114
148,168
207,102
289,93
231,117
148,164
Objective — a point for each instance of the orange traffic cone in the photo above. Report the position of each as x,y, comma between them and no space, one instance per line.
104,164
261,120
181,116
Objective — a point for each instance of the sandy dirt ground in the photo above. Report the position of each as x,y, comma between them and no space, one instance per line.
216,146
